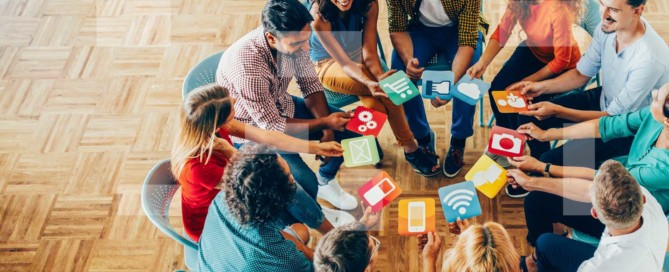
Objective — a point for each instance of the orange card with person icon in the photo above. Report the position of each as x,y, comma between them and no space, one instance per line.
510,102
416,216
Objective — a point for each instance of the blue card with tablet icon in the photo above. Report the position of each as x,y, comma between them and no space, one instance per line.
459,201
437,84
469,90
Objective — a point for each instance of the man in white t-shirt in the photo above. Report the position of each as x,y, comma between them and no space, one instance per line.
635,237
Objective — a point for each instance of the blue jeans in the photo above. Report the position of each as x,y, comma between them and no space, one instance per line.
559,253
427,42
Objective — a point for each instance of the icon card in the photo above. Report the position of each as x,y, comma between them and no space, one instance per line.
399,88
459,201
437,84
360,151
379,191
506,142
470,90
510,102
488,177
366,121
416,216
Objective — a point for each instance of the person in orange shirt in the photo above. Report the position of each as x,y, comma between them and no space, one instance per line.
549,50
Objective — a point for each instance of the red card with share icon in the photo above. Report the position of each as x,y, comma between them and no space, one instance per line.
366,121
379,191
506,142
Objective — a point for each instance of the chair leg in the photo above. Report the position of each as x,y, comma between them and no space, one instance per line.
492,119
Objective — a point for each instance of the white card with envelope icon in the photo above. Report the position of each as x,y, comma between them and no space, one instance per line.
360,151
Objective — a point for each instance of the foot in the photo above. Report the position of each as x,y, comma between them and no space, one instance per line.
423,161
515,193
338,218
334,194
454,161
432,145
501,160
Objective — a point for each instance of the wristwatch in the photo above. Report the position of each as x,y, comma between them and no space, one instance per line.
547,172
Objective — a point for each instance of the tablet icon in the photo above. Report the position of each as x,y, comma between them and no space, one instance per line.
366,121
416,216
488,177
399,88
379,191
360,151
459,201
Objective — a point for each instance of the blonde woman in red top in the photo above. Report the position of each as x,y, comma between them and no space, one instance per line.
203,148
548,50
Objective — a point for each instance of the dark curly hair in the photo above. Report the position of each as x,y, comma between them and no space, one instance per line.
330,12
256,186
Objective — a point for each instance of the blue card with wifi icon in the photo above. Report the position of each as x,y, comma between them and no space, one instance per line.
459,201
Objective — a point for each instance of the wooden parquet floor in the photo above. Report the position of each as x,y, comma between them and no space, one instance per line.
89,91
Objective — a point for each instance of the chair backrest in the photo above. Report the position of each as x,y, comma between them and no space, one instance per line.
202,74
591,18
157,192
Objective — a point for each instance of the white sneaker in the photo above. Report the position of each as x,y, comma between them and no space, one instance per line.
339,198
338,218
501,160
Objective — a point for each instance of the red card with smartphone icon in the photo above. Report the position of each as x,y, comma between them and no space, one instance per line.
506,142
367,121
379,191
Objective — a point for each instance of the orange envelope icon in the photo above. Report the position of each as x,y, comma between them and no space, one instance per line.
416,216
488,176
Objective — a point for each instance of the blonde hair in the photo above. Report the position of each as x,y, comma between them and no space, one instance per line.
204,110
616,196
482,248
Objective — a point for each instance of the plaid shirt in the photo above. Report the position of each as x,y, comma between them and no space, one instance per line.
467,13
260,84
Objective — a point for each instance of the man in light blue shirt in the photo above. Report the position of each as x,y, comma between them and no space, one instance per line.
633,60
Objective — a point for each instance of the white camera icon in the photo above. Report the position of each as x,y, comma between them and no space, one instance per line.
497,139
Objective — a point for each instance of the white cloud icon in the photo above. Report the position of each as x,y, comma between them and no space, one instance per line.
471,90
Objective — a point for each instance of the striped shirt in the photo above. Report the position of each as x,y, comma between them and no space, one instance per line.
260,84
466,13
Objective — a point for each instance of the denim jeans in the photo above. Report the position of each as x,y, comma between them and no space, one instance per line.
427,42
559,253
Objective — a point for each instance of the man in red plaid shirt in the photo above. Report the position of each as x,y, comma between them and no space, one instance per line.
257,70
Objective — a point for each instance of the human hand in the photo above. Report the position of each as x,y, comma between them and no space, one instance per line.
543,110
533,132
459,226
527,163
374,89
338,120
327,149
430,245
413,71
438,102
328,136
369,218
386,74
477,70
518,178
527,88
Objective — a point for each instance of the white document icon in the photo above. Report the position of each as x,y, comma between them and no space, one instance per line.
489,175
360,151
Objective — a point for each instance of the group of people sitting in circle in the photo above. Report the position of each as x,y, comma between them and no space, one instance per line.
249,198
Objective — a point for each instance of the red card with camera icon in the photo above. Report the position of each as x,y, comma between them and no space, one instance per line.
366,121
506,142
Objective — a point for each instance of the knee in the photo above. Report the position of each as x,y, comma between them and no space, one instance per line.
551,157
547,242
532,202
302,232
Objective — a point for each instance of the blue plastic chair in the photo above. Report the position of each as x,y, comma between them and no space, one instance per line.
202,74
157,192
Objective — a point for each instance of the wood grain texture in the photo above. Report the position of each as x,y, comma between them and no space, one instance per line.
89,91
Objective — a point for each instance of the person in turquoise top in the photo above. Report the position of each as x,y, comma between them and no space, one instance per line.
562,195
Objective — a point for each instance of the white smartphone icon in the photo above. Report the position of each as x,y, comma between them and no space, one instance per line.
416,216
379,191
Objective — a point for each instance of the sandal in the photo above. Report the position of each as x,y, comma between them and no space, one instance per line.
424,162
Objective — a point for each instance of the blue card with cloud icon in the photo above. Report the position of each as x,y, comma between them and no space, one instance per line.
470,90
459,200
437,84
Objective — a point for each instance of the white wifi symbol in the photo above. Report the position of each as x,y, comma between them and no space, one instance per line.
366,117
459,200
